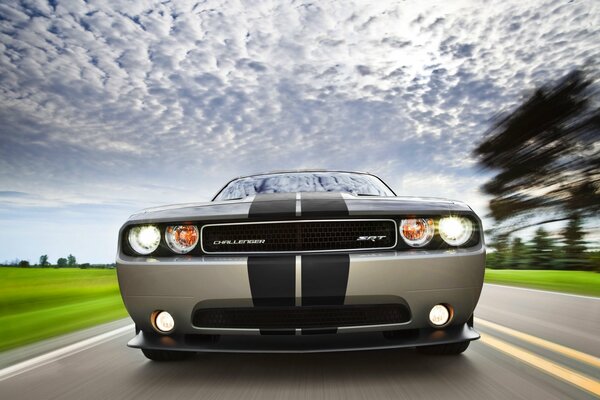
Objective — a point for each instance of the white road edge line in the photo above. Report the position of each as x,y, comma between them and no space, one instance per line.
63,352
544,291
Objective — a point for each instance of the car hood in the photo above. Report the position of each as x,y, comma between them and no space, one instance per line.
302,206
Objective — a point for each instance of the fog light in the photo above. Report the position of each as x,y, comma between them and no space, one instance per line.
163,321
439,315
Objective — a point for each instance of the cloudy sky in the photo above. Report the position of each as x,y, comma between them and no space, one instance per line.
107,107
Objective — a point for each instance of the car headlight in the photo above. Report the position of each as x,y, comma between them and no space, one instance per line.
417,232
144,239
181,238
455,231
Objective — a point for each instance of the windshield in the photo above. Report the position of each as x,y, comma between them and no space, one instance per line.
357,184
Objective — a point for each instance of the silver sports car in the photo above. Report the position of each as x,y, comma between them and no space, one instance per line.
302,261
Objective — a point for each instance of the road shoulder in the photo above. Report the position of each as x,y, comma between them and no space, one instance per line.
19,354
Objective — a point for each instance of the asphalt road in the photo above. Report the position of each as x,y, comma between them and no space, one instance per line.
527,361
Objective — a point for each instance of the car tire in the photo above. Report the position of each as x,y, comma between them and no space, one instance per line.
444,349
166,355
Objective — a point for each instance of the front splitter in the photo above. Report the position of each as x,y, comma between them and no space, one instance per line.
305,343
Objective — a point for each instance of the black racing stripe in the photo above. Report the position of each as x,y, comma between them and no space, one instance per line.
318,331
323,204
272,280
273,284
324,279
324,282
273,205
277,332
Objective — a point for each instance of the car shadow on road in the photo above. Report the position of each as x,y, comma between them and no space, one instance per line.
348,374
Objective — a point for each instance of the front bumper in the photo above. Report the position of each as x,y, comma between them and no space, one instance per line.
304,344
418,279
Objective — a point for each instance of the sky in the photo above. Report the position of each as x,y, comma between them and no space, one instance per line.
107,107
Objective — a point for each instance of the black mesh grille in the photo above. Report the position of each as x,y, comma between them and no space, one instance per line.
299,236
301,317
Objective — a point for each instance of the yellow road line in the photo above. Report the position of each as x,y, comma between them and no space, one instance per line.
549,367
557,348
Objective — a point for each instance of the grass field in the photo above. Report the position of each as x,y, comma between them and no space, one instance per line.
38,303
577,282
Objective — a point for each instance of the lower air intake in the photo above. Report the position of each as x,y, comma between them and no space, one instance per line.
301,317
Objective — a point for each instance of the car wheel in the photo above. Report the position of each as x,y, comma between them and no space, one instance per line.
166,355
444,349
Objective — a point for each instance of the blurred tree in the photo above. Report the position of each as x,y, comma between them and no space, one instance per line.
594,257
24,264
44,260
61,262
499,259
543,254
546,156
84,265
519,254
574,245
490,260
71,260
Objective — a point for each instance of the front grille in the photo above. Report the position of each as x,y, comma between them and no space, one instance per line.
296,236
301,317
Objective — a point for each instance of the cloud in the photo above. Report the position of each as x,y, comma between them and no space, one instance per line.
142,103
13,195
